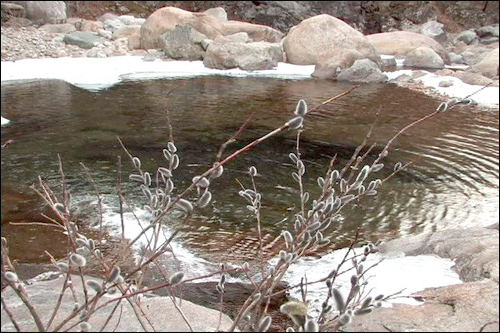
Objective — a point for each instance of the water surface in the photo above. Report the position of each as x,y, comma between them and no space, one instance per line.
453,180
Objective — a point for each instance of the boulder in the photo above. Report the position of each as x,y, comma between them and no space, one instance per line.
399,43
388,62
470,307
327,67
160,310
257,32
63,28
363,70
456,58
323,35
183,43
132,33
434,30
246,56
423,57
474,250
83,39
468,37
488,66
167,18
43,12
113,25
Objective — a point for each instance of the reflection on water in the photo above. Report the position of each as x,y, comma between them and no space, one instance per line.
453,179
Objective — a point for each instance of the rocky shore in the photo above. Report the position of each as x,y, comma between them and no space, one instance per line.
338,51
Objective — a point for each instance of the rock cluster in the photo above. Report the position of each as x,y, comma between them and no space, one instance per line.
330,44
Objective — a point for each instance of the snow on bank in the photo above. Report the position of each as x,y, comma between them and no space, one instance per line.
102,73
395,273
5,121
488,96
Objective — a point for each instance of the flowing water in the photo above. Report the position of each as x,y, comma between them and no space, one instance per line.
453,181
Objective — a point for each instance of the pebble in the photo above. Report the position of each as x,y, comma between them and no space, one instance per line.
29,43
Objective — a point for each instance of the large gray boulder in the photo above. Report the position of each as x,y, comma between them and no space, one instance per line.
183,43
159,310
400,43
321,36
43,12
246,56
423,57
166,19
83,39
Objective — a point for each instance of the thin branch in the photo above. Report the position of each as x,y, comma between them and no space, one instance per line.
9,313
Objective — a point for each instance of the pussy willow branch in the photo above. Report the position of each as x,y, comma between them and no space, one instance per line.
383,152
358,149
9,313
230,158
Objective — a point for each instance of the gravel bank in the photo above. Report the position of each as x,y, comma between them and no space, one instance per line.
31,43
